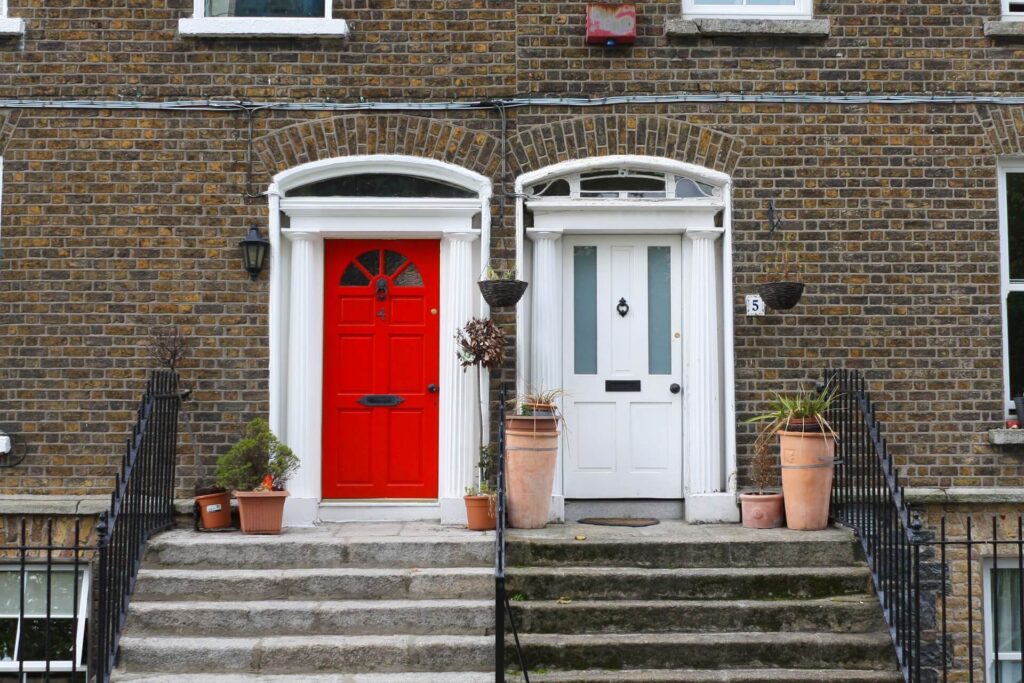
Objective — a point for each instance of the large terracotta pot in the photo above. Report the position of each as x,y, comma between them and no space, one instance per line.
761,510
261,512
215,510
532,423
530,458
480,513
807,466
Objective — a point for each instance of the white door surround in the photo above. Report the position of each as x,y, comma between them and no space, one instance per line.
709,437
298,227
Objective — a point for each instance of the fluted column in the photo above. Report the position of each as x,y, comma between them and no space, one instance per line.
703,455
458,441
305,375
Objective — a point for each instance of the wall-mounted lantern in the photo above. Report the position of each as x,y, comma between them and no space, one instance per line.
254,252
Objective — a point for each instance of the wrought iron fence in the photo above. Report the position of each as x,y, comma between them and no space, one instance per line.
953,599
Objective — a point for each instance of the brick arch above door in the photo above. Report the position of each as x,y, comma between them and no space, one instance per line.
618,134
366,134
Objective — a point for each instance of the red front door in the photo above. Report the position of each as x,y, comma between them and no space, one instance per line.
381,356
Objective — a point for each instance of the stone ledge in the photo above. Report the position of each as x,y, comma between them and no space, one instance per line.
27,504
1006,437
11,28
974,495
1004,29
793,28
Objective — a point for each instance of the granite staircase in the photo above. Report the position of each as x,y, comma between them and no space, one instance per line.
696,604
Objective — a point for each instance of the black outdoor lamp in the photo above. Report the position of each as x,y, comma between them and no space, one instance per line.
254,251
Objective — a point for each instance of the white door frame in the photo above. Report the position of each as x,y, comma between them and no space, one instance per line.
709,408
298,227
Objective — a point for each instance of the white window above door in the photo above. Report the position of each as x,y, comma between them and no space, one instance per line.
749,9
1013,10
263,19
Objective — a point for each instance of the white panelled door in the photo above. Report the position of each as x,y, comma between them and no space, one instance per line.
622,366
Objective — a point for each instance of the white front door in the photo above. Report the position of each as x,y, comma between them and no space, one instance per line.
622,367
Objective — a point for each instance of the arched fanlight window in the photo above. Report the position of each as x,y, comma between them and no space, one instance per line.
370,265
390,185
622,183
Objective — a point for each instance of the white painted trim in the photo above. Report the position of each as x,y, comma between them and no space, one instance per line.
293,383
1004,166
800,9
636,161
11,27
263,27
1008,15
1,208
988,564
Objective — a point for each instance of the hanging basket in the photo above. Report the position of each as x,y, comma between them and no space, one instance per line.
502,293
781,296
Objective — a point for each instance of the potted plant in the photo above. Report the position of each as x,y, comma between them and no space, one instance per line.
214,505
500,288
807,445
256,469
531,447
762,509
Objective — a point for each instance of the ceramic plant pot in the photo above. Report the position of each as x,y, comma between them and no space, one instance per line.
480,513
530,458
762,510
215,510
807,467
261,512
532,423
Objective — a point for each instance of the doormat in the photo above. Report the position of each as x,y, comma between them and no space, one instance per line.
619,521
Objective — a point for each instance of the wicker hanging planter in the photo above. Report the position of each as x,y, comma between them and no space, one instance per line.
502,293
781,296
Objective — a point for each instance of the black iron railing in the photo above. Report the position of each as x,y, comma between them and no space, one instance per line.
502,606
141,505
939,589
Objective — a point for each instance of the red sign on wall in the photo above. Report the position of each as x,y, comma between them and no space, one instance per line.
611,24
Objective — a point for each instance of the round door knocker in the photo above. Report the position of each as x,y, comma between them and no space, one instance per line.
622,308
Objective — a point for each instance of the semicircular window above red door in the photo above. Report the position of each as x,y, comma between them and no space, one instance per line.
396,267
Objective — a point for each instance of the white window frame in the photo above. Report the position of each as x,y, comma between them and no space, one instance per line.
202,26
990,637
1006,286
1011,16
9,26
64,665
801,9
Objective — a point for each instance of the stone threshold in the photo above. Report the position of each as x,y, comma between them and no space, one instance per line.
749,28
970,495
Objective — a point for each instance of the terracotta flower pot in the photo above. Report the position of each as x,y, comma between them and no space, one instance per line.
261,512
762,510
215,510
807,466
530,465
532,423
480,513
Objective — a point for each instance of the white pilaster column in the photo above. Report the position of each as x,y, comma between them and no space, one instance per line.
546,333
458,441
703,454
305,374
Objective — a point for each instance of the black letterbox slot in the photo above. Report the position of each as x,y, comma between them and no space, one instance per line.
622,385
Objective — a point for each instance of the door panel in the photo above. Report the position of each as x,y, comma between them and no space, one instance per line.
381,337
622,444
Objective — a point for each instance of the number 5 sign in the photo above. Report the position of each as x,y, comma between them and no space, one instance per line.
755,305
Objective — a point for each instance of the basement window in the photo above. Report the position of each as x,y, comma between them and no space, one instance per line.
748,9
1003,584
10,27
263,18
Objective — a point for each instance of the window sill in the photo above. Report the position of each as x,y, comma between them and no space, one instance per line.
1006,437
710,27
1004,29
12,27
262,27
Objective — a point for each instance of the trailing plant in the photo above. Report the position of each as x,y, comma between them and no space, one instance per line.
783,409
491,273
169,347
258,462
480,343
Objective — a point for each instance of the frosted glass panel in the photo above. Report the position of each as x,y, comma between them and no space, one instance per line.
659,310
584,274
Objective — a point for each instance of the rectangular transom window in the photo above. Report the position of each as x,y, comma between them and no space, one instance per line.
742,9
1011,202
1003,607
265,8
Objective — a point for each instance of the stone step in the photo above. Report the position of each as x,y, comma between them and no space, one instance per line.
302,548
428,677
722,676
871,651
632,583
703,546
301,617
844,614
307,654
327,584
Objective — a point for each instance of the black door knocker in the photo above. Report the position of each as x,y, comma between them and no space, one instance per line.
382,289
623,307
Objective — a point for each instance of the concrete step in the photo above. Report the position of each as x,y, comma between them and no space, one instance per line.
307,654
632,583
430,677
844,614
301,617
871,651
723,676
694,546
302,548
327,584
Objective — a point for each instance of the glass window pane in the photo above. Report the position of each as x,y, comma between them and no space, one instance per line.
354,277
10,592
371,261
554,188
1015,223
264,8
1015,341
1011,672
8,635
62,590
611,186
36,638
584,276
381,185
410,277
1006,588
392,261
659,310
